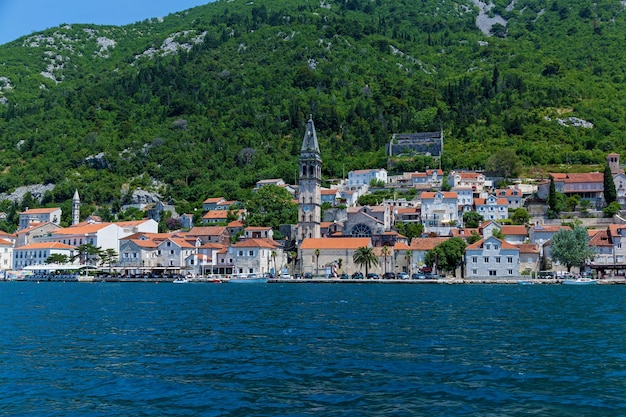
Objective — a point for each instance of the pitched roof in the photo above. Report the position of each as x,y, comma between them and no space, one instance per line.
213,200
513,230
40,210
426,243
480,243
257,243
206,231
82,230
336,243
530,248
445,194
45,245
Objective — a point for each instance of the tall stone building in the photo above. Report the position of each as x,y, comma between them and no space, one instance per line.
309,189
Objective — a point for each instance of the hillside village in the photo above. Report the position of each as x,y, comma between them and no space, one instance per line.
225,246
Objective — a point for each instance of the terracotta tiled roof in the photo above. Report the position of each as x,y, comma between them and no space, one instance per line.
213,200
548,228
257,243
5,243
531,248
426,243
600,238
40,210
82,230
206,231
514,230
480,243
46,245
145,243
401,246
132,223
215,214
336,243
431,194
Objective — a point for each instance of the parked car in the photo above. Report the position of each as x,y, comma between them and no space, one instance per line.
373,275
357,275
285,276
426,269
418,276
344,276
308,275
389,275
402,275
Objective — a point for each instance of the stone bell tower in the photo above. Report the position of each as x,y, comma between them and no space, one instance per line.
309,187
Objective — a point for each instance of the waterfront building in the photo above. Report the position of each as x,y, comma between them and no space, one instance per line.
332,251
363,177
37,253
491,258
257,256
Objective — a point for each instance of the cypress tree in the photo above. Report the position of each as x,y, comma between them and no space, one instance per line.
552,196
610,193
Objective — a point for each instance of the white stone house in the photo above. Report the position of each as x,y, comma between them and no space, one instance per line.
137,253
440,211
6,255
37,216
38,253
491,258
492,208
172,252
363,177
257,256
467,179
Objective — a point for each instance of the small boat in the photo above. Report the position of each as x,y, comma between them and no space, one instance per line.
579,281
525,282
250,279
180,280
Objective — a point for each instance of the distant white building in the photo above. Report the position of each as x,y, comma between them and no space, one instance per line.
363,177
492,258
38,216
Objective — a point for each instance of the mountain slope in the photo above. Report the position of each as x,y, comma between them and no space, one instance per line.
209,100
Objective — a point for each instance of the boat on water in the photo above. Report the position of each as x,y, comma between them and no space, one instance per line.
526,282
250,279
580,281
180,280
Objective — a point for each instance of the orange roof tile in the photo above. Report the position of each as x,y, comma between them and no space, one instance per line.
426,243
45,245
40,210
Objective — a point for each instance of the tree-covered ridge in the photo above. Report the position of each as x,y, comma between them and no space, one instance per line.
210,100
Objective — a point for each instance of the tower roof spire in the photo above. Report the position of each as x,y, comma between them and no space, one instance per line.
309,143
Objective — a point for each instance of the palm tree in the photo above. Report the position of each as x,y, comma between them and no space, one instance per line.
339,264
385,252
365,256
317,261
294,258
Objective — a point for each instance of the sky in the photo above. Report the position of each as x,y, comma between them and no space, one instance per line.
23,17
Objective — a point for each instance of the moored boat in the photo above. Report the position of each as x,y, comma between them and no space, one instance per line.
250,279
579,281
525,282
180,280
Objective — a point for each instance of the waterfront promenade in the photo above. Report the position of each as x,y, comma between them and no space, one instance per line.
620,280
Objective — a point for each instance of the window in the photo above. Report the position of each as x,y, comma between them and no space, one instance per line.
510,271
492,273
474,272
251,253
240,253
509,259
486,259
488,246
496,247
497,259
474,259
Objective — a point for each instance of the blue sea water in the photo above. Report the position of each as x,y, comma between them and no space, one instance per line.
138,349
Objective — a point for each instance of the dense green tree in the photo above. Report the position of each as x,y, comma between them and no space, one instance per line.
472,219
271,206
570,247
504,163
410,229
365,257
520,216
610,193
57,258
446,256
612,209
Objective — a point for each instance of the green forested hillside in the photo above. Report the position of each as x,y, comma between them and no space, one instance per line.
210,100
